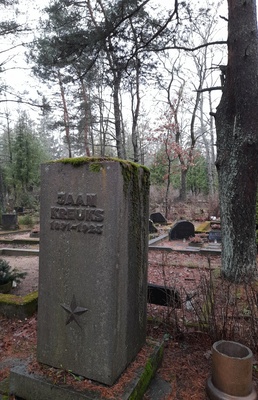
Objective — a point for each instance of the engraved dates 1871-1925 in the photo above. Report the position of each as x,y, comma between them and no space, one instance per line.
77,213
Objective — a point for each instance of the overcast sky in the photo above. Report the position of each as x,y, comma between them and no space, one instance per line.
18,73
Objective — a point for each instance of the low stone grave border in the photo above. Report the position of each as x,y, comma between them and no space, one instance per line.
30,386
24,306
18,252
13,306
211,249
29,240
20,307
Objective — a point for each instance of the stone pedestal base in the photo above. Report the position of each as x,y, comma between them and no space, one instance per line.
30,386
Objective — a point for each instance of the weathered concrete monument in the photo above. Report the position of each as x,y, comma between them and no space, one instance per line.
92,279
93,266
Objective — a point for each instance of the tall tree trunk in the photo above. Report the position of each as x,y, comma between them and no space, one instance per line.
209,148
102,127
2,191
135,99
135,113
66,115
10,153
167,188
119,138
212,168
237,137
86,117
182,195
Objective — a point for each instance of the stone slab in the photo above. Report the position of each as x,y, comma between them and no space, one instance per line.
182,230
158,218
30,386
93,267
158,239
20,241
19,252
159,389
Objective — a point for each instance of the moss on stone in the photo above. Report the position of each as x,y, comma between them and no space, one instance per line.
130,169
78,161
204,227
95,167
18,306
4,389
148,373
18,300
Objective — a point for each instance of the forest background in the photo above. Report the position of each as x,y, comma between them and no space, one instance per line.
140,80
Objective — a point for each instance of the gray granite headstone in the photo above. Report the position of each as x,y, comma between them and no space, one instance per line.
158,218
215,236
182,230
9,221
163,296
93,266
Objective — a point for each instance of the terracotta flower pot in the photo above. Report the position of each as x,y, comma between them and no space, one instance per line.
231,377
5,287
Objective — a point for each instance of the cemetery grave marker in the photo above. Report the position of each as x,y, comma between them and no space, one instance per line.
163,296
215,236
158,218
182,230
93,266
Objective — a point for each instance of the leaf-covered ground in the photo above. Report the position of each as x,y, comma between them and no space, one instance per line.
186,364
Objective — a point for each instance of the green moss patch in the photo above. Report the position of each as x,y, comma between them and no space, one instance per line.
147,373
18,306
96,161
130,170
204,227
4,389
78,161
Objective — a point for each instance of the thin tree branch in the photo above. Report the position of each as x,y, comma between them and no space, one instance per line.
163,27
13,47
19,101
209,89
201,46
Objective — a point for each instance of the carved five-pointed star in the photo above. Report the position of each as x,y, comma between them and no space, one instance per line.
73,311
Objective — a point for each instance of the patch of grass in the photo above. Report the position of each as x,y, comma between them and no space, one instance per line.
26,220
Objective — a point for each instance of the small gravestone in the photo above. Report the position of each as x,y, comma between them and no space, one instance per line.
93,266
182,230
158,218
9,221
152,227
163,296
215,236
